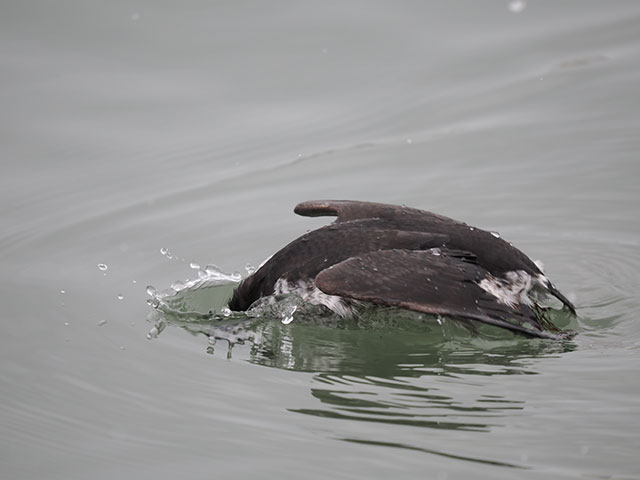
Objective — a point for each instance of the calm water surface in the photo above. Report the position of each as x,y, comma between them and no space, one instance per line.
137,138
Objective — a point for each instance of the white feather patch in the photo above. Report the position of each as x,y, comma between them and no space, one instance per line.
511,290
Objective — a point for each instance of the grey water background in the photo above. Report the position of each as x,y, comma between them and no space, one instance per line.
195,127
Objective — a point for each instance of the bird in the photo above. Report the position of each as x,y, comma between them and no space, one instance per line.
397,256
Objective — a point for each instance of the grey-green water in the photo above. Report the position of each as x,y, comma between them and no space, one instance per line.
131,127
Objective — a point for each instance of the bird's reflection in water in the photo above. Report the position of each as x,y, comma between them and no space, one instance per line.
389,367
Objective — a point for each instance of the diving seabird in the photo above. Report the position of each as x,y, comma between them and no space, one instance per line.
408,258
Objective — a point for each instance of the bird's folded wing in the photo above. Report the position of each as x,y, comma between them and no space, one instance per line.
439,282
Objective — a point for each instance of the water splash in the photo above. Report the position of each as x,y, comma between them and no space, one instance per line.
200,297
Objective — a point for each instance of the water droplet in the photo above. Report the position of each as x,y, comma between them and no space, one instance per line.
151,290
66,324
166,253
156,330
177,285
102,266
225,311
153,333
436,251
250,268
236,276
288,319
472,228
495,234
102,322
63,291
135,281
517,6
120,297
194,265
288,309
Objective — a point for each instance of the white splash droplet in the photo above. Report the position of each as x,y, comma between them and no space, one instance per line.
153,333
102,266
287,313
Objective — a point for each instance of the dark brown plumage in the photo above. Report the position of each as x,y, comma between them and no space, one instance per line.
409,258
